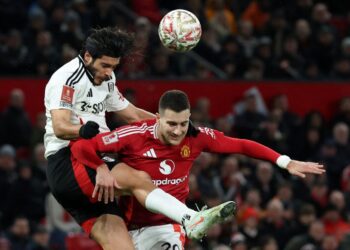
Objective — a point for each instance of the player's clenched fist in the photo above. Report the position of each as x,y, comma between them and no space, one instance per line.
89,130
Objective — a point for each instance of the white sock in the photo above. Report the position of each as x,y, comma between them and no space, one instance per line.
161,202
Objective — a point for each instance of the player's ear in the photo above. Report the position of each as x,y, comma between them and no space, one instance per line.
87,57
157,116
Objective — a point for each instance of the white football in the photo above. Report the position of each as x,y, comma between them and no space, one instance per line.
180,30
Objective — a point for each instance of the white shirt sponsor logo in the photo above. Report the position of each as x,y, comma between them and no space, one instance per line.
167,181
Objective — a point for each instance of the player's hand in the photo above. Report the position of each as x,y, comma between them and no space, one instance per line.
300,168
89,130
105,182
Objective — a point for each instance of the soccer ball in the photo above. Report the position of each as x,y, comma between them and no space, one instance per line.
180,30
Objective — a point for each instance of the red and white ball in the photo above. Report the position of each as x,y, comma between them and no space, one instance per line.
180,30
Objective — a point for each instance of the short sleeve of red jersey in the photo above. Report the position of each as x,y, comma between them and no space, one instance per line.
214,141
86,151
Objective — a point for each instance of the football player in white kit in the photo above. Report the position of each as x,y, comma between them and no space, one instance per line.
76,98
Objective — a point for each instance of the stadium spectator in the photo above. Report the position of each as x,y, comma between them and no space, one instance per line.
230,180
290,63
220,18
40,239
313,238
39,163
303,35
250,120
330,242
37,22
257,13
19,233
268,243
274,224
103,14
44,54
14,123
246,38
14,55
334,224
70,31
38,130
250,227
255,70
29,203
337,199
7,176
300,9
266,181
306,214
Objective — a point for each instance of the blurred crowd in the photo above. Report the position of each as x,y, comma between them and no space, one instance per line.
276,211
252,40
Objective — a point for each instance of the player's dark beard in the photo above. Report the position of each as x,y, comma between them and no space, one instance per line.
92,70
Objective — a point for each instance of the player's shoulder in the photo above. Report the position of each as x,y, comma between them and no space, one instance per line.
145,127
69,74
205,132
110,84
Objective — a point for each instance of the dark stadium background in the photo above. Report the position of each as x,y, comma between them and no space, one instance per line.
273,71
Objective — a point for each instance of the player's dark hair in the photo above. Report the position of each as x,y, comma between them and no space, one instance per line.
175,100
108,41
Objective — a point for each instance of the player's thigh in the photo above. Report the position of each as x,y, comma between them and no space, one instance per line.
128,177
72,184
163,237
111,233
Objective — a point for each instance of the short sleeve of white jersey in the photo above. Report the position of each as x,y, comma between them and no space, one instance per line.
60,92
115,100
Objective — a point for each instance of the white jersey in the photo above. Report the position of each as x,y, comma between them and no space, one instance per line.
70,87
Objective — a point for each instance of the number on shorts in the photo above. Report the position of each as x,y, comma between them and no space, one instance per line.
168,246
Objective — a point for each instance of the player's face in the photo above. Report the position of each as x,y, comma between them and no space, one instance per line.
101,68
173,126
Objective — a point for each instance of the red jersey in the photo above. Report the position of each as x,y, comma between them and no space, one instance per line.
169,166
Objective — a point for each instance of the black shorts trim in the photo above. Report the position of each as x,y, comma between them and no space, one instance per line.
66,187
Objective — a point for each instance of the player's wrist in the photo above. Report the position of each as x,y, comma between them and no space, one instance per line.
283,161
102,166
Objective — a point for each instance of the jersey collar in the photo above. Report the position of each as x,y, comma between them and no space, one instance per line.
155,130
88,73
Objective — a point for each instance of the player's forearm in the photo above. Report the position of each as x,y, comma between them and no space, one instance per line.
247,147
143,114
85,152
66,131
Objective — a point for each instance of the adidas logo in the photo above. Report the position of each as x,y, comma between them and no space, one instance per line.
150,153
89,93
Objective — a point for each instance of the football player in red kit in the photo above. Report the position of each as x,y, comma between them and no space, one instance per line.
165,148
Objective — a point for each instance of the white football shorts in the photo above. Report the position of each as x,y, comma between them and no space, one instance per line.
163,237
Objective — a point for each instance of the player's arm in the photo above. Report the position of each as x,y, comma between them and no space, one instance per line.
64,129
217,142
133,114
62,126
125,110
87,151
